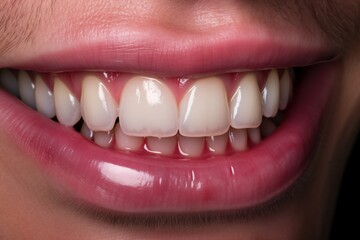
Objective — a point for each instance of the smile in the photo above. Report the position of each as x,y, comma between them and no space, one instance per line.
142,142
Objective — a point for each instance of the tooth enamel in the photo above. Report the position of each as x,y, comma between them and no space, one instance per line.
191,146
66,104
150,116
163,146
285,89
126,142
98,108
267,127
9,82
86,132
271,95
104,139
44,98
238,139
254,135
245,105
204,109
148,108
27,89
217,145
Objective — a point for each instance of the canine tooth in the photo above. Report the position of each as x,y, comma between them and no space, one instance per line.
44,98
254,135
191,146
238,139
163,146
285,89
126,142
204,109
66,104
104,139
271,95
245,104
148,108
9,82
87,132
217,144
26,89
98,107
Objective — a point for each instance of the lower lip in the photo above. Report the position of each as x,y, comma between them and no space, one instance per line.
129,183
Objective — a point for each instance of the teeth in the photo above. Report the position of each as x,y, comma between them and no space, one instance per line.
44,98
163,146
204,109
254,135
27,89
104,139
98,107
148,108
217,145
87,132
191,146
285,89
9,82
238,139
245,105
66,104
125,142
151,118
271,95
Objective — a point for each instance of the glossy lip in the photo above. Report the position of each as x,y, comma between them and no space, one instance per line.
130,183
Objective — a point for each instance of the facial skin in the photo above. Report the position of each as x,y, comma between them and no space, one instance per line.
31,208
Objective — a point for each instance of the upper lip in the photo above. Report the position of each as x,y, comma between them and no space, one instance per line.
161,52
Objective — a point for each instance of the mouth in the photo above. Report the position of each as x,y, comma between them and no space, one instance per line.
222,135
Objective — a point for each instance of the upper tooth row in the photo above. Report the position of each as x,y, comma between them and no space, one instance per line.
147,106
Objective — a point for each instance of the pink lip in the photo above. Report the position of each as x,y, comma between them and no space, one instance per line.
173,54
132,183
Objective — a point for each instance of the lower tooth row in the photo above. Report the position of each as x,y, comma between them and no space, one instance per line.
235,139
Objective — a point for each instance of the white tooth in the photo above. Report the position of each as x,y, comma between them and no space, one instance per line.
285,89
271,95
238,139
98,107
66,104
87,132
254,135
27,89
148,108
44,98
9,82
204,109
217,144
163,146
104,139
191,146
126,142
267,127
245,105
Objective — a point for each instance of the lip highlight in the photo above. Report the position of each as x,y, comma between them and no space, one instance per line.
134,183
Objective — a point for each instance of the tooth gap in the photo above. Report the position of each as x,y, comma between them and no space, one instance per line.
78,125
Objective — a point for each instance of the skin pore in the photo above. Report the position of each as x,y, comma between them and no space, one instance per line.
32,208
